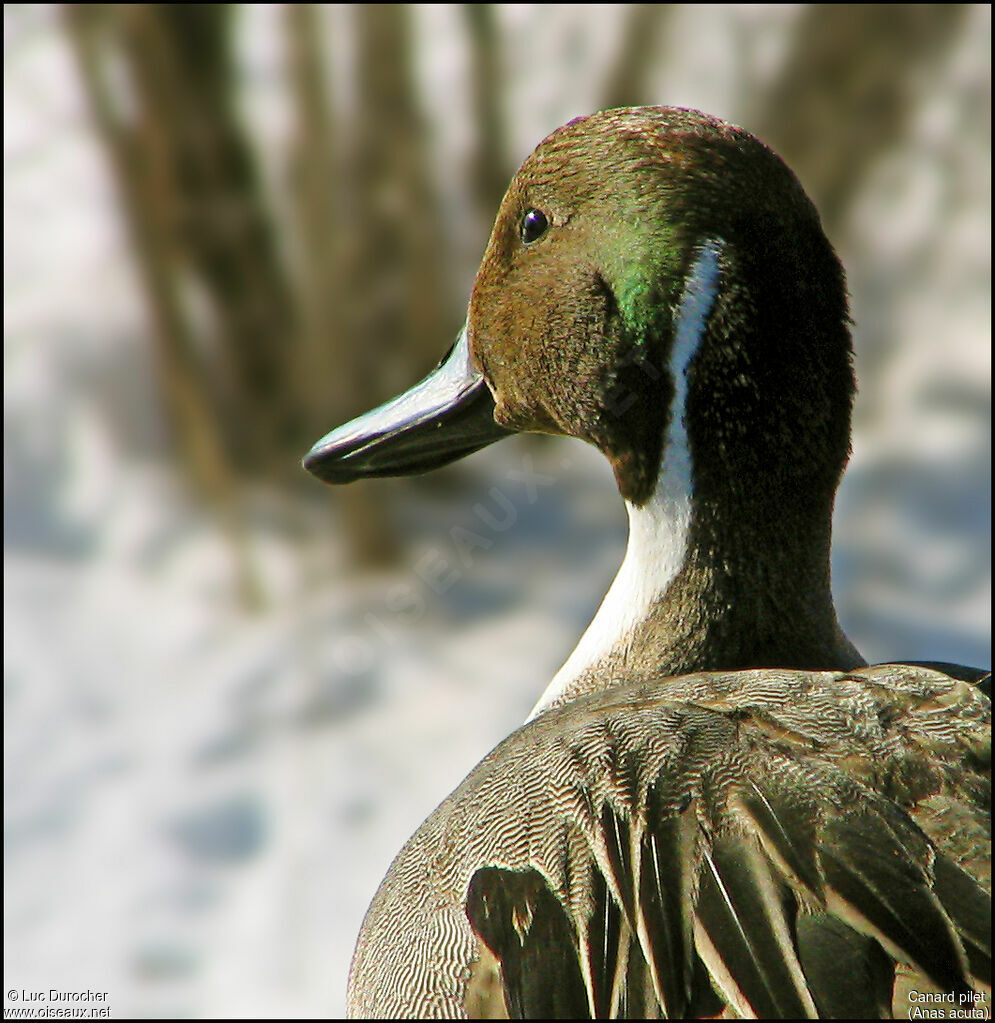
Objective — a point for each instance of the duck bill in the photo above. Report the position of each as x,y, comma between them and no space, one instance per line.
448,415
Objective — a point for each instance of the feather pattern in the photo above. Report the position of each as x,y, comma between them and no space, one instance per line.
714,839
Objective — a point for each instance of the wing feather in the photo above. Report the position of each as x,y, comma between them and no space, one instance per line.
731,842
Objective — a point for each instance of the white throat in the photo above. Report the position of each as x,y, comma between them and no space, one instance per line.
658,530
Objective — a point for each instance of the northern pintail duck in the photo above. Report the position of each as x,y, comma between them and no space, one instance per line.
716,807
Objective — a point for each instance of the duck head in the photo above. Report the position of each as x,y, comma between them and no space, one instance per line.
615,228
573,315
657,284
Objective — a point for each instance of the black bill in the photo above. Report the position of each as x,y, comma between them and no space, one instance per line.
448,415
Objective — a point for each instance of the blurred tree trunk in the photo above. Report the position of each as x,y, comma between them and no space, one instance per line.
139,146
228,316
628,80
489,171
316,177
847,91
397,313
326,373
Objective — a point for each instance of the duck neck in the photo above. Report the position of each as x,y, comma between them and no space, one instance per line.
655,555
685,601
724,570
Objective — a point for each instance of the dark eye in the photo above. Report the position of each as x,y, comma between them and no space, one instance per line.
534,226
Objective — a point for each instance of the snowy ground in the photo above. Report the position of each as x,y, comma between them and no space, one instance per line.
199,802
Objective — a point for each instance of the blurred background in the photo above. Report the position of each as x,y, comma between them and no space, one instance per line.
231,693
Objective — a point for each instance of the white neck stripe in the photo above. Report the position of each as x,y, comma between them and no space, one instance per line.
658,530
695,305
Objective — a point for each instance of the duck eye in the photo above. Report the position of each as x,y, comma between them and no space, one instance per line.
534,226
